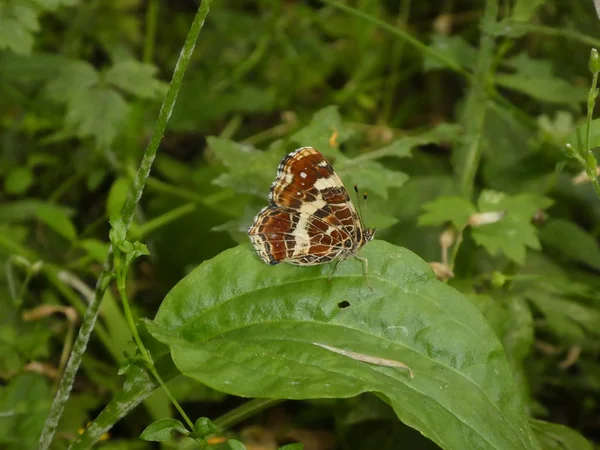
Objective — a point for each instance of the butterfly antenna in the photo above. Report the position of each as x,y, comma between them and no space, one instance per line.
360,213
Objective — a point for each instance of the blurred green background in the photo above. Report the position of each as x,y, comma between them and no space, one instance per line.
81,86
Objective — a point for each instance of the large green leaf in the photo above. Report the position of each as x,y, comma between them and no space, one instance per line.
246,328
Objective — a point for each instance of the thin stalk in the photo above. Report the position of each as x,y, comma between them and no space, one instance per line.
590,162
423,48
468,156
397,50
143,350
164,219
150,38
66,382
244,411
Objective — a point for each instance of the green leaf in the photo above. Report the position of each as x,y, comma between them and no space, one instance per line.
24,403
18,23
292,447
514,232
162,429
251,171
22,210
18,180
553,436
454,48
96,249
235,445
73,75
204,427
534,78
572,241
58,220
117,196
279,332
96,112
322,127
447,209
567,319
577,138
371,175
400,148
523,10
136,78
138,385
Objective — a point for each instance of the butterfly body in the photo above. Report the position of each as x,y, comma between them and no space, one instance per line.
310,219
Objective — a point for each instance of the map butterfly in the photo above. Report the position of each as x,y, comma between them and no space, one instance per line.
310,219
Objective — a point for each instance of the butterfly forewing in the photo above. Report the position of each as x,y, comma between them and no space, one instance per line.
311,219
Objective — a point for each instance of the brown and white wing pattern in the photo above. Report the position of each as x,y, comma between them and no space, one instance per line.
310,219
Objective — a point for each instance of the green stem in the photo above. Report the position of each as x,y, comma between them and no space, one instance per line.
66,382
396,58
468,156
559,32
150,38
169,216
248,409
173,400
424,49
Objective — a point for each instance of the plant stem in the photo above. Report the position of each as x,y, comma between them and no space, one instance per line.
66,382
423,48
590,163
248,409
466,158
121,287
168,217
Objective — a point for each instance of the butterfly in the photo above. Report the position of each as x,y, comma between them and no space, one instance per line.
310,218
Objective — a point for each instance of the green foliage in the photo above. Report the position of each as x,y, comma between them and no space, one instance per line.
162,430
283,329
475,137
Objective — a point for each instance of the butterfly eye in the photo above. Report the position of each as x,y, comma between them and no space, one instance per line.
348,243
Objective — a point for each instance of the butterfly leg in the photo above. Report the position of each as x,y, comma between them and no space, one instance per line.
365,263
339,261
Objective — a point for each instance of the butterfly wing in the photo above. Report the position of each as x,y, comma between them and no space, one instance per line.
307,182
288,235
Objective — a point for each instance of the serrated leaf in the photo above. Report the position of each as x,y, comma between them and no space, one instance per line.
58,220
323,125
514,232
508,236
400,148
553,436
18,22
18,180
251,171
572,241
369,175
454,48
577,138
162,430
136,78
72,76
97,112
233,155
278,332
447,209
